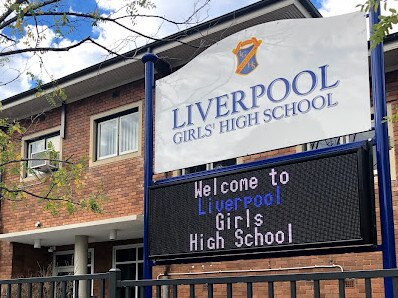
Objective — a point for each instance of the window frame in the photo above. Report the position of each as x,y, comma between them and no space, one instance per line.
346,139
67,269
119,130
99,125
117,113
25,146
44,138
136,262
209,166
71,269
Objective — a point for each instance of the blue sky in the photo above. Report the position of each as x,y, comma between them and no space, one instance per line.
85,28
58,64
316,3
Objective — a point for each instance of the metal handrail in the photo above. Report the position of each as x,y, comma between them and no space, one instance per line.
363,274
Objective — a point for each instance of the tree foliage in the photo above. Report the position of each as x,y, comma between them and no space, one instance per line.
383,27
25,27
30,20
36,27
61,189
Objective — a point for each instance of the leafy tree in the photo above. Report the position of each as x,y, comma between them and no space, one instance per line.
383,27
24,26
61,189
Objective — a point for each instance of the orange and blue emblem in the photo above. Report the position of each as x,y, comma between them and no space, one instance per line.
245,53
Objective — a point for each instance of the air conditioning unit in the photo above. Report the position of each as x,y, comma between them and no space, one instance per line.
43,161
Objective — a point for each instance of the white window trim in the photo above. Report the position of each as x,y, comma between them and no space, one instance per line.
93,161
72,268
120,140
25,149
127,246
99,140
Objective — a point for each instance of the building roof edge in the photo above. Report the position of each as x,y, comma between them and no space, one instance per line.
152,46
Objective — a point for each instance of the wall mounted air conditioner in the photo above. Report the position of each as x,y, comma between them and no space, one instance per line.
43,161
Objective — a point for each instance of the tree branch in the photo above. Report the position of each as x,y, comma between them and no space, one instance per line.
115,21
44,49
8,38
35,195
66,161
4,23
9,11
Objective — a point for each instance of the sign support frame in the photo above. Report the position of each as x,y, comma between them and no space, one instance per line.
149,60
382,153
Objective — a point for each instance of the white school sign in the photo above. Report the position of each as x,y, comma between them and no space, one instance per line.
270,86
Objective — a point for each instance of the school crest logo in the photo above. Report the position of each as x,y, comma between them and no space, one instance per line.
245,53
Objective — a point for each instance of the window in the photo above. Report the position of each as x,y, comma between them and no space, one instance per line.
63,264
210,166
117,136
43,144
130,260
42,151
362,136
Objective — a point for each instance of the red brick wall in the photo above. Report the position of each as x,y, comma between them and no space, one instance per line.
29,262
349,261
5,260
123,182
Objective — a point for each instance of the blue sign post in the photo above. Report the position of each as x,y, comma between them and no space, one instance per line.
149,61
382,149
383,162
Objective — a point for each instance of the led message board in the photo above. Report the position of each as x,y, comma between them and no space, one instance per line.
318,201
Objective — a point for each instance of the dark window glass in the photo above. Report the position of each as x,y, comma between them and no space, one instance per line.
325,143
64,260
140,270
215,165
140,253
128,271
224,163
125,255
195,169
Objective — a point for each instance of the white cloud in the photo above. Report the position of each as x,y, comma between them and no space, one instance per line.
337,7
59,64
11,81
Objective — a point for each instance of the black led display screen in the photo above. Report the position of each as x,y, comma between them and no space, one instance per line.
310,202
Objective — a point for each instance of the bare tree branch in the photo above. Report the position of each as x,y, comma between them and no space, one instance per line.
115,21
44,49
21,190
8,38
66,161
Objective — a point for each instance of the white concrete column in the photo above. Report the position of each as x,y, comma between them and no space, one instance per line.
81,256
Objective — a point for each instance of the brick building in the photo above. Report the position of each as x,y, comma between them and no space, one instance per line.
110,96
